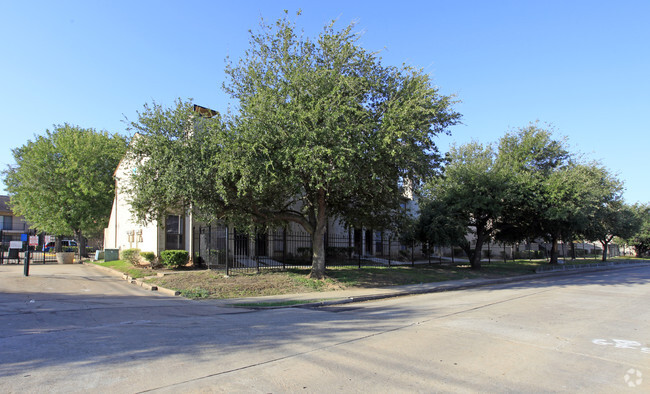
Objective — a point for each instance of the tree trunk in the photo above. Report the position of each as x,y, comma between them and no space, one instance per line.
81,244
573,251
604,243
475,260
318,239
553,259
58,246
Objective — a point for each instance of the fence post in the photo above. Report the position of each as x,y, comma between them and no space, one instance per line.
489,254
227,249
256,250
389,250
284,249
359,254
209,246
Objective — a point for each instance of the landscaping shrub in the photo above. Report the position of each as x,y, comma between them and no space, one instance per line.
131,256
149,256
174,258
341,252
532,254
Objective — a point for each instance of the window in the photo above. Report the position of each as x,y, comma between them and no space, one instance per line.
174,233
5,223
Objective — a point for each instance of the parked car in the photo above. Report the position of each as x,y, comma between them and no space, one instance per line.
65,243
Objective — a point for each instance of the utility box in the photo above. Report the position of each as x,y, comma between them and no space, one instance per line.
111,254
99,255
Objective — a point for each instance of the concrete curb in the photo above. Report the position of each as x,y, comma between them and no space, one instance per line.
571,267
135,281
435,287
447,287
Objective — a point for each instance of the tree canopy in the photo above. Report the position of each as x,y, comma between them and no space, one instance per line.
640,238
322,129
469,195
553,195
62,182
532,188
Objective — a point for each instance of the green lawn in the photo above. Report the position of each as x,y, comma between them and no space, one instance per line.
199,284
126,268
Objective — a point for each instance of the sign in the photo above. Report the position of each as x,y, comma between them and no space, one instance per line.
15,245
33,240
23,237
48,239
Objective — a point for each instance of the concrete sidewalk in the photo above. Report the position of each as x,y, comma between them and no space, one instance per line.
42,276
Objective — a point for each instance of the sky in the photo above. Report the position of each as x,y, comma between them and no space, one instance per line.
580,66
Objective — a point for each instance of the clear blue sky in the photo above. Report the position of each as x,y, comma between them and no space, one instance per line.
581,65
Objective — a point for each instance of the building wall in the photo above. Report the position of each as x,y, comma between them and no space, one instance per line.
123,232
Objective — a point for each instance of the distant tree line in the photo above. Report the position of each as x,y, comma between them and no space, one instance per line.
529,187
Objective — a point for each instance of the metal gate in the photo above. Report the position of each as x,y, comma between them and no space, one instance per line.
37,253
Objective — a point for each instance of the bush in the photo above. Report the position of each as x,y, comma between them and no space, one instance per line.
174,258
149,256
530,254
305,252
131,256
341,252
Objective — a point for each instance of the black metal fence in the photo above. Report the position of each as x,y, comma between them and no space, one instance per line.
10,255
221,247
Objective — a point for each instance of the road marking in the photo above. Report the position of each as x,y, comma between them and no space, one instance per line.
633,377
622,344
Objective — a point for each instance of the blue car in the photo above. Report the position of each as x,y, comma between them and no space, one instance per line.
65,243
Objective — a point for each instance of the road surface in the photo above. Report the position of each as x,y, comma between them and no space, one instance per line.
76,329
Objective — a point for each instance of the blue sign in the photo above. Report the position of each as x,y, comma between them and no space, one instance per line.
24,237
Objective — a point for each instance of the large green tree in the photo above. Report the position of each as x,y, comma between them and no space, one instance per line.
62,182
468,196
554,196
609,216
641,237
321,129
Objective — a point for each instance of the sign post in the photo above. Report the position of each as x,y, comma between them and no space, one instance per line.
26,269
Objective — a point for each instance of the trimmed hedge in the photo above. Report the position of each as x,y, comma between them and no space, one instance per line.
131,255
149,256
174,258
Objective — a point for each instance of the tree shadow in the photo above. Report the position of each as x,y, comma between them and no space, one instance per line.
89,333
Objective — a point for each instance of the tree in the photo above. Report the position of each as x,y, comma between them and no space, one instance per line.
553,196
544,200
640,239
62,182
175,153
609,216
322,129
469,195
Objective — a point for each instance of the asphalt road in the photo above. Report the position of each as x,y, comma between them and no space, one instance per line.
76,329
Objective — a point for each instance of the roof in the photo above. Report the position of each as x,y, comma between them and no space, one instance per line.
4,204
203,111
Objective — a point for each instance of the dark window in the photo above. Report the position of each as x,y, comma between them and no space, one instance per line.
174,232
5,223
